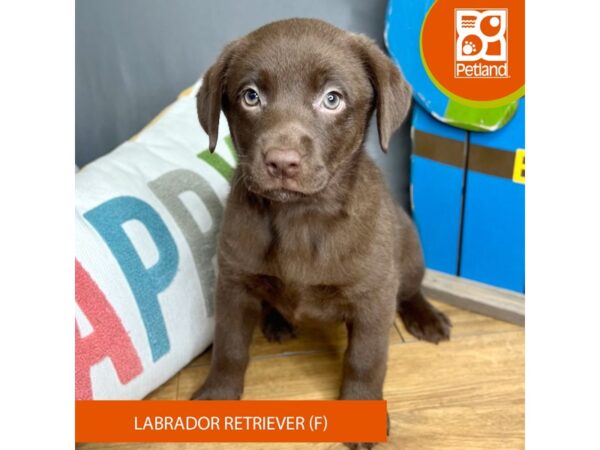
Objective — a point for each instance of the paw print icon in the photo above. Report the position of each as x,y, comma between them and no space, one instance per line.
470,45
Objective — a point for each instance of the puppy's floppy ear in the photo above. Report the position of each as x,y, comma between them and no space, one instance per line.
208,100
392,93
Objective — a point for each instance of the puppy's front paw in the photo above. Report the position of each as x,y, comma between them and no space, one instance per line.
424,321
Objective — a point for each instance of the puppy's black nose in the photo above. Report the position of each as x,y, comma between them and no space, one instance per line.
282,162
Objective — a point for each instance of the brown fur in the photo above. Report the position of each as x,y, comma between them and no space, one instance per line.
328,244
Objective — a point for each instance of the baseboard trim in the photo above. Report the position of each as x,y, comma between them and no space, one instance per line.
481,298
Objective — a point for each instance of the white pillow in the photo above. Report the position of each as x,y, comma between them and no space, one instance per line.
146,219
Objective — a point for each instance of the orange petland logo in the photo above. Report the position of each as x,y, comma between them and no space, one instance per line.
481,38
473,51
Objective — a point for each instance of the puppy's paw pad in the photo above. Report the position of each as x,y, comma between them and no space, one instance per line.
425,322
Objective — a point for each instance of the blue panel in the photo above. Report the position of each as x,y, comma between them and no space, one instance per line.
436,199
493,249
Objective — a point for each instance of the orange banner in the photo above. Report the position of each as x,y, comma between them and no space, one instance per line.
231,421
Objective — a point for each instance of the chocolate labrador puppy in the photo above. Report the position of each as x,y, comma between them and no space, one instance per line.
310,231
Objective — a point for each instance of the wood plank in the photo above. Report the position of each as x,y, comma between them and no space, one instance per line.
464,394
480,298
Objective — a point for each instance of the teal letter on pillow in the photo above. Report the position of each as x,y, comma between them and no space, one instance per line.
108,219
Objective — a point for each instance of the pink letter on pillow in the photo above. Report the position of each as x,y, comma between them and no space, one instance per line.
108,340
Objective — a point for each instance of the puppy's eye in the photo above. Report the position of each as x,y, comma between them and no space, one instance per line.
332,100
251,97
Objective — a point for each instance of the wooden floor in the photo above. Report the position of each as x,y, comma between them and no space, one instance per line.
464,394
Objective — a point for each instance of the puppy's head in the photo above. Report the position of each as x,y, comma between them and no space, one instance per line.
298,95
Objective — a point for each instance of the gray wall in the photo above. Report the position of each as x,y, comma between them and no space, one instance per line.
134,56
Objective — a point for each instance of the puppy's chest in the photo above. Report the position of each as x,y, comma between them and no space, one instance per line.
307,254
301,302
312,252
302,270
